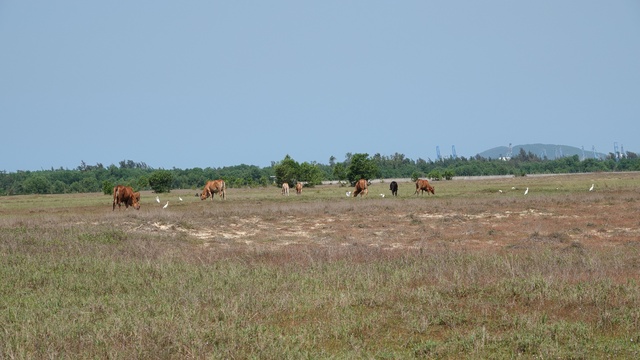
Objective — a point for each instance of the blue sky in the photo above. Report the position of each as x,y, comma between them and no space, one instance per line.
220,83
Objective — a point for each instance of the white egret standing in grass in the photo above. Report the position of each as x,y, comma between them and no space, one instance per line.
381,195
526,191
180,198
348,193
157,199
591,188
165,205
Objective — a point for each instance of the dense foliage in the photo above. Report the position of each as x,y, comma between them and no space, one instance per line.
140,176
160,181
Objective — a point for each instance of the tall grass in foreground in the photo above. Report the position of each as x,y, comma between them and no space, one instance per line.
56,301
320,276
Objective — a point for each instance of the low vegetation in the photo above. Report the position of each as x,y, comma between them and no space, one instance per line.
477,270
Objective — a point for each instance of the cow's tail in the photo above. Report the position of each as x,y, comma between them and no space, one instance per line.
224,190
115,197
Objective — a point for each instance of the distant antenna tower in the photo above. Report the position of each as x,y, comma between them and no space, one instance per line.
616,152
510,152
595,155
453,152
622,153
438,153
583,157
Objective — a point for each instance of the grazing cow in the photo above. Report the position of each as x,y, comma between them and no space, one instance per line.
394,188
125,195
212,187
285,189
299,188
422,186
361,188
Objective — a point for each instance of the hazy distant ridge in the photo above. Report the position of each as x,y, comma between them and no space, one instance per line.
549,150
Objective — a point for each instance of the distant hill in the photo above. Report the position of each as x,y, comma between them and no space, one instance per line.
550,151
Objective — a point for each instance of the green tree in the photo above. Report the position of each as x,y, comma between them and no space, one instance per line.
36,184
287,171
435,175
107,187
448,174
142,182
339,172
310,173
58,187
362,166
160,181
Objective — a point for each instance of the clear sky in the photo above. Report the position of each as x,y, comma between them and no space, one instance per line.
218,83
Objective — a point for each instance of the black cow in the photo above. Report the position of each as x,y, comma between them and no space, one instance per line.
394,188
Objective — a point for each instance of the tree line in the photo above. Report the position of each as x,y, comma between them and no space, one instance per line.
140,176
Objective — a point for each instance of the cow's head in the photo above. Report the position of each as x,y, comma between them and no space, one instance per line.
204,195
135,203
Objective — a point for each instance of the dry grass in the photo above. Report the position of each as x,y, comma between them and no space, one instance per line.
468,271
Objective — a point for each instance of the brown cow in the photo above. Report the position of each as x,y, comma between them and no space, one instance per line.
285,189
299,188
125,194
212,187
423,185
361,188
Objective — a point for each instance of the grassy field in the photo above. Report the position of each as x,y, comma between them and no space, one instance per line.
478,270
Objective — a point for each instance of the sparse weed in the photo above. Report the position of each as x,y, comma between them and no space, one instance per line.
325,276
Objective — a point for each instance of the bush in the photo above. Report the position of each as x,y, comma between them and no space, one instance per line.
160,181
448,174
435,175
107,187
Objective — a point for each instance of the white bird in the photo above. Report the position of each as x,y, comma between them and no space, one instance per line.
500,191
591,188
348,193
513,188
180,198
526,191
157,199
165,205
381,195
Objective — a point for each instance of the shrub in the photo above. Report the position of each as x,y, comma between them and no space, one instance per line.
107,187
160,181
